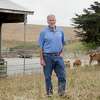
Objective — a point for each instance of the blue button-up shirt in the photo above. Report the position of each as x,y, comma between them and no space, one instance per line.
51,41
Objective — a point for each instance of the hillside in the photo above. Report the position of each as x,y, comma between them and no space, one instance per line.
16,32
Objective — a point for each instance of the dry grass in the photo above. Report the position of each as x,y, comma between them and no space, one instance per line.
83,84
15,32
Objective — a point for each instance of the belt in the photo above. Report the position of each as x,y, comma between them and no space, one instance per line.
53,54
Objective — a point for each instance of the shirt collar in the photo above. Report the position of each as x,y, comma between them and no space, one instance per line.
52,29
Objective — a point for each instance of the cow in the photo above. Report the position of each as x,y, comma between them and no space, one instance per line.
94,57
77,62
67,63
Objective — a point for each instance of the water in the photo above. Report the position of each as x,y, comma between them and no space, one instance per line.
16,65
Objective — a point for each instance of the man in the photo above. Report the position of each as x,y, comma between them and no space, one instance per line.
51,42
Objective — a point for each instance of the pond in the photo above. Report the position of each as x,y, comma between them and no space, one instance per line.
16,65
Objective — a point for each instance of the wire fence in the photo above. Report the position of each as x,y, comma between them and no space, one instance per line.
20,64
24,61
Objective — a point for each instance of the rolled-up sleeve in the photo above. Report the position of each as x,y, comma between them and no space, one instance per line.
41,39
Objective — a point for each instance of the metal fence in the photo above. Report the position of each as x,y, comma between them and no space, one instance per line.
19,62
28,64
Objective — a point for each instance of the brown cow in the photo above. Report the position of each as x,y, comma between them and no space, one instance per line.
94,57
77,62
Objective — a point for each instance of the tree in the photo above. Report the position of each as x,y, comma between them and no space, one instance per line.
88,24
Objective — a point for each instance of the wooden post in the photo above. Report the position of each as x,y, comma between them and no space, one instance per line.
3,64
0,39
25,21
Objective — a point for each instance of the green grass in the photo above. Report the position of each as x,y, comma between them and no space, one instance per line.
19,45
14,45
75,46
83,84
79,46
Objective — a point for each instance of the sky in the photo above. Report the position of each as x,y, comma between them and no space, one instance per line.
64,10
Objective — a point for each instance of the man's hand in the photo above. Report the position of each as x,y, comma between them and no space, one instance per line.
42,62
61,54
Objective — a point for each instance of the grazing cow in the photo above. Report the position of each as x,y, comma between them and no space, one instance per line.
67,63
94,57
77,62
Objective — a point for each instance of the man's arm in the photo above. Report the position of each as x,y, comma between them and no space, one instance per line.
42,62
62,52
41,43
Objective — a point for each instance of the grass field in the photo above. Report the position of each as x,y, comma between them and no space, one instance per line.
16,32
83,84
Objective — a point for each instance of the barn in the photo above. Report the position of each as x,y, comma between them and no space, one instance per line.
11,12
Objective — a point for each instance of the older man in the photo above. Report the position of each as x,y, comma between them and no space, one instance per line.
51,41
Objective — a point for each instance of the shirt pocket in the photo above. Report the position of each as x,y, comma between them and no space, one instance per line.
58,36
48,37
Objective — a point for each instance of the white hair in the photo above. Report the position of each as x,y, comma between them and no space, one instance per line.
50,15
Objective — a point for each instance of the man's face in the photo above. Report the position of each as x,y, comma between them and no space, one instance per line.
51,21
